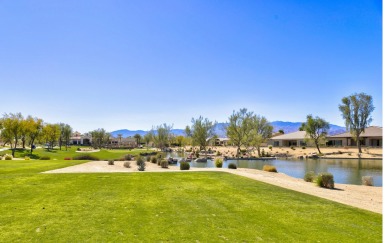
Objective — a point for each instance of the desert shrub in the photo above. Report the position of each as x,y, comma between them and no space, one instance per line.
126,164
67,158
309,176
85,157
154,160
141,165
349,154
219,153
325,180
45,157
8,157
269,168
164,163
159,161
292,148
78,149
270,147
303,147
232,166
262,153
184,165
140,160
26,158
128,157
111,162
148,158
218,163
367,181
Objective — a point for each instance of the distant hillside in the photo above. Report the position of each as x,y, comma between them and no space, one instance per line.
287,127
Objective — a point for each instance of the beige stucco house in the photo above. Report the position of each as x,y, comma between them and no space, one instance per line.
289,139
372,137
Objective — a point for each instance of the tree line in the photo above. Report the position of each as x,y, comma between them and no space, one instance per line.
245,129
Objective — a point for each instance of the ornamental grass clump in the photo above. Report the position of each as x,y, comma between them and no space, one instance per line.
367,181
8,157
154,160
26,158
140,160
126,164
184,165
325,180
111,162
218,163
141,165
309,176
269,168
164,163
232,166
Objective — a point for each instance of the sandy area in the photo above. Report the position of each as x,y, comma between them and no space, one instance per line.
364,197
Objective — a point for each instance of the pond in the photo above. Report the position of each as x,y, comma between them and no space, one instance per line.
345,171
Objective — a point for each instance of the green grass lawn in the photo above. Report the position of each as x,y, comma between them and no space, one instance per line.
176,207
103,154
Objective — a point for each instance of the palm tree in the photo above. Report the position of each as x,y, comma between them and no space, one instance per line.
120,139
137,138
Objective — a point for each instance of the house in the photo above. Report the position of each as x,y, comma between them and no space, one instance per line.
220,141
289,139
80,139
372,136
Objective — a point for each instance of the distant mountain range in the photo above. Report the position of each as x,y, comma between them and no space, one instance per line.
287,127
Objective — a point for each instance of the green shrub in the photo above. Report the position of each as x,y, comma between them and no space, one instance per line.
232,166
164,163
184,165
270,147
26,158
78,149
126,164
111,162
218,163
8,157
269,168
292,148
303,147
148,158
325,180
219,153
45,157
309,176
85,157
140,160
367,181
197,154
154,160
128,157
141,165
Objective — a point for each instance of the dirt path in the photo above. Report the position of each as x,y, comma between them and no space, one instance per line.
364,197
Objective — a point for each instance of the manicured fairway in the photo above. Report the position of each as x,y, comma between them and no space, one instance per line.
176,207
103,154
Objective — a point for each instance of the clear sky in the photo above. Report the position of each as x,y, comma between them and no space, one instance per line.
134,64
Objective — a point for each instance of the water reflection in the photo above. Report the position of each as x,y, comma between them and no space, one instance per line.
345,171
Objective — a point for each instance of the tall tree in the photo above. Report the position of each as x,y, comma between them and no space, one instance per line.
34,129
201,129
261,132
161,135
356,110
239,128
120,138
137,139
12,127
100,138
67,133
148,137
316,130
51,134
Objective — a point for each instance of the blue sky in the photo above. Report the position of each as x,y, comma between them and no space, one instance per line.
135,64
